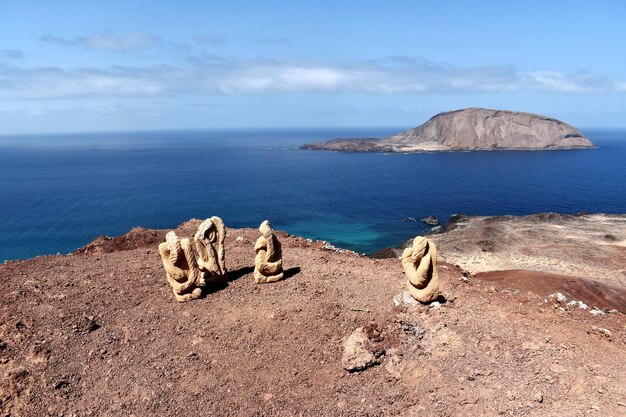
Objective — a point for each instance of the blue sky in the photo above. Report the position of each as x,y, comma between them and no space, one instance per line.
76,66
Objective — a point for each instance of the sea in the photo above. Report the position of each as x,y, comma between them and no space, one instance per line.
59,192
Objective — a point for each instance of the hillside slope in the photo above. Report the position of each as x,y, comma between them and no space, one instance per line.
99,333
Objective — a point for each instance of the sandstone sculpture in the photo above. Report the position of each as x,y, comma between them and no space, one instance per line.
183,274
268,263
420,266
209,241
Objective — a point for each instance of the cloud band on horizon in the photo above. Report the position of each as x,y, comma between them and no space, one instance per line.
220,75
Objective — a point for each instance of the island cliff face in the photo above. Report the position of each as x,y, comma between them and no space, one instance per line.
472,130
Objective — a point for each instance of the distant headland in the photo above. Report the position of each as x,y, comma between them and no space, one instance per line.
472,129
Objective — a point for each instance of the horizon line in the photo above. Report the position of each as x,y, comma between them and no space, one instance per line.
233,128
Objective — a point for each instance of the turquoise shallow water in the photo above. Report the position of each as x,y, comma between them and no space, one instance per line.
60,192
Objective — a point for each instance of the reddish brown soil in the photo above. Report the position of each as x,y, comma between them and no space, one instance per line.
98,333
593,293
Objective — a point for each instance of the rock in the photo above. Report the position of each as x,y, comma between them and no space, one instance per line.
471,130
362,348
137,237
420,266
431,220
558,297
268,263
596,312
386,253
602,331
486,245
410,219
62,383
411,329
91,324
578,304
394,365
404,298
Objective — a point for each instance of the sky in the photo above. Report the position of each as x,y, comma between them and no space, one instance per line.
89,66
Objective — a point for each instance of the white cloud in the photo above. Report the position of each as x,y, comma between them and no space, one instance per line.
211,40
214,74
11,54
54,83
266,78
620,87
278,41
580,83
107,41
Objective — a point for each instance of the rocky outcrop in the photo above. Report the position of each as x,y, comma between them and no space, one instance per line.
588,245
472,129
431,220
363,348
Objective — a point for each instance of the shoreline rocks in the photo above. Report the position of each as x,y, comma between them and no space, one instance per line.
431,220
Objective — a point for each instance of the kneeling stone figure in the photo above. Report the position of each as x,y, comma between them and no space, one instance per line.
268,263
420,266
181,268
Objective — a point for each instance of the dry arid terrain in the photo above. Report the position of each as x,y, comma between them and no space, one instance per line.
583,255
98,333
586,245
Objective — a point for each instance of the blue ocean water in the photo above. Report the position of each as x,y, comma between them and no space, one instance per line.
61,191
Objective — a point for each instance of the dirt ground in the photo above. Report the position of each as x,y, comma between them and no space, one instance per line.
592,246
98,333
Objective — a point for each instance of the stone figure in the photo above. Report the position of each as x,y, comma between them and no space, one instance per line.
268,263
209,241
183,274
420,266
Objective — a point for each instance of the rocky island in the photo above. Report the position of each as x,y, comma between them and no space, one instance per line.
471,129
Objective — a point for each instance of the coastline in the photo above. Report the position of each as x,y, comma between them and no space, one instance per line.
312,147
554,249
587,244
